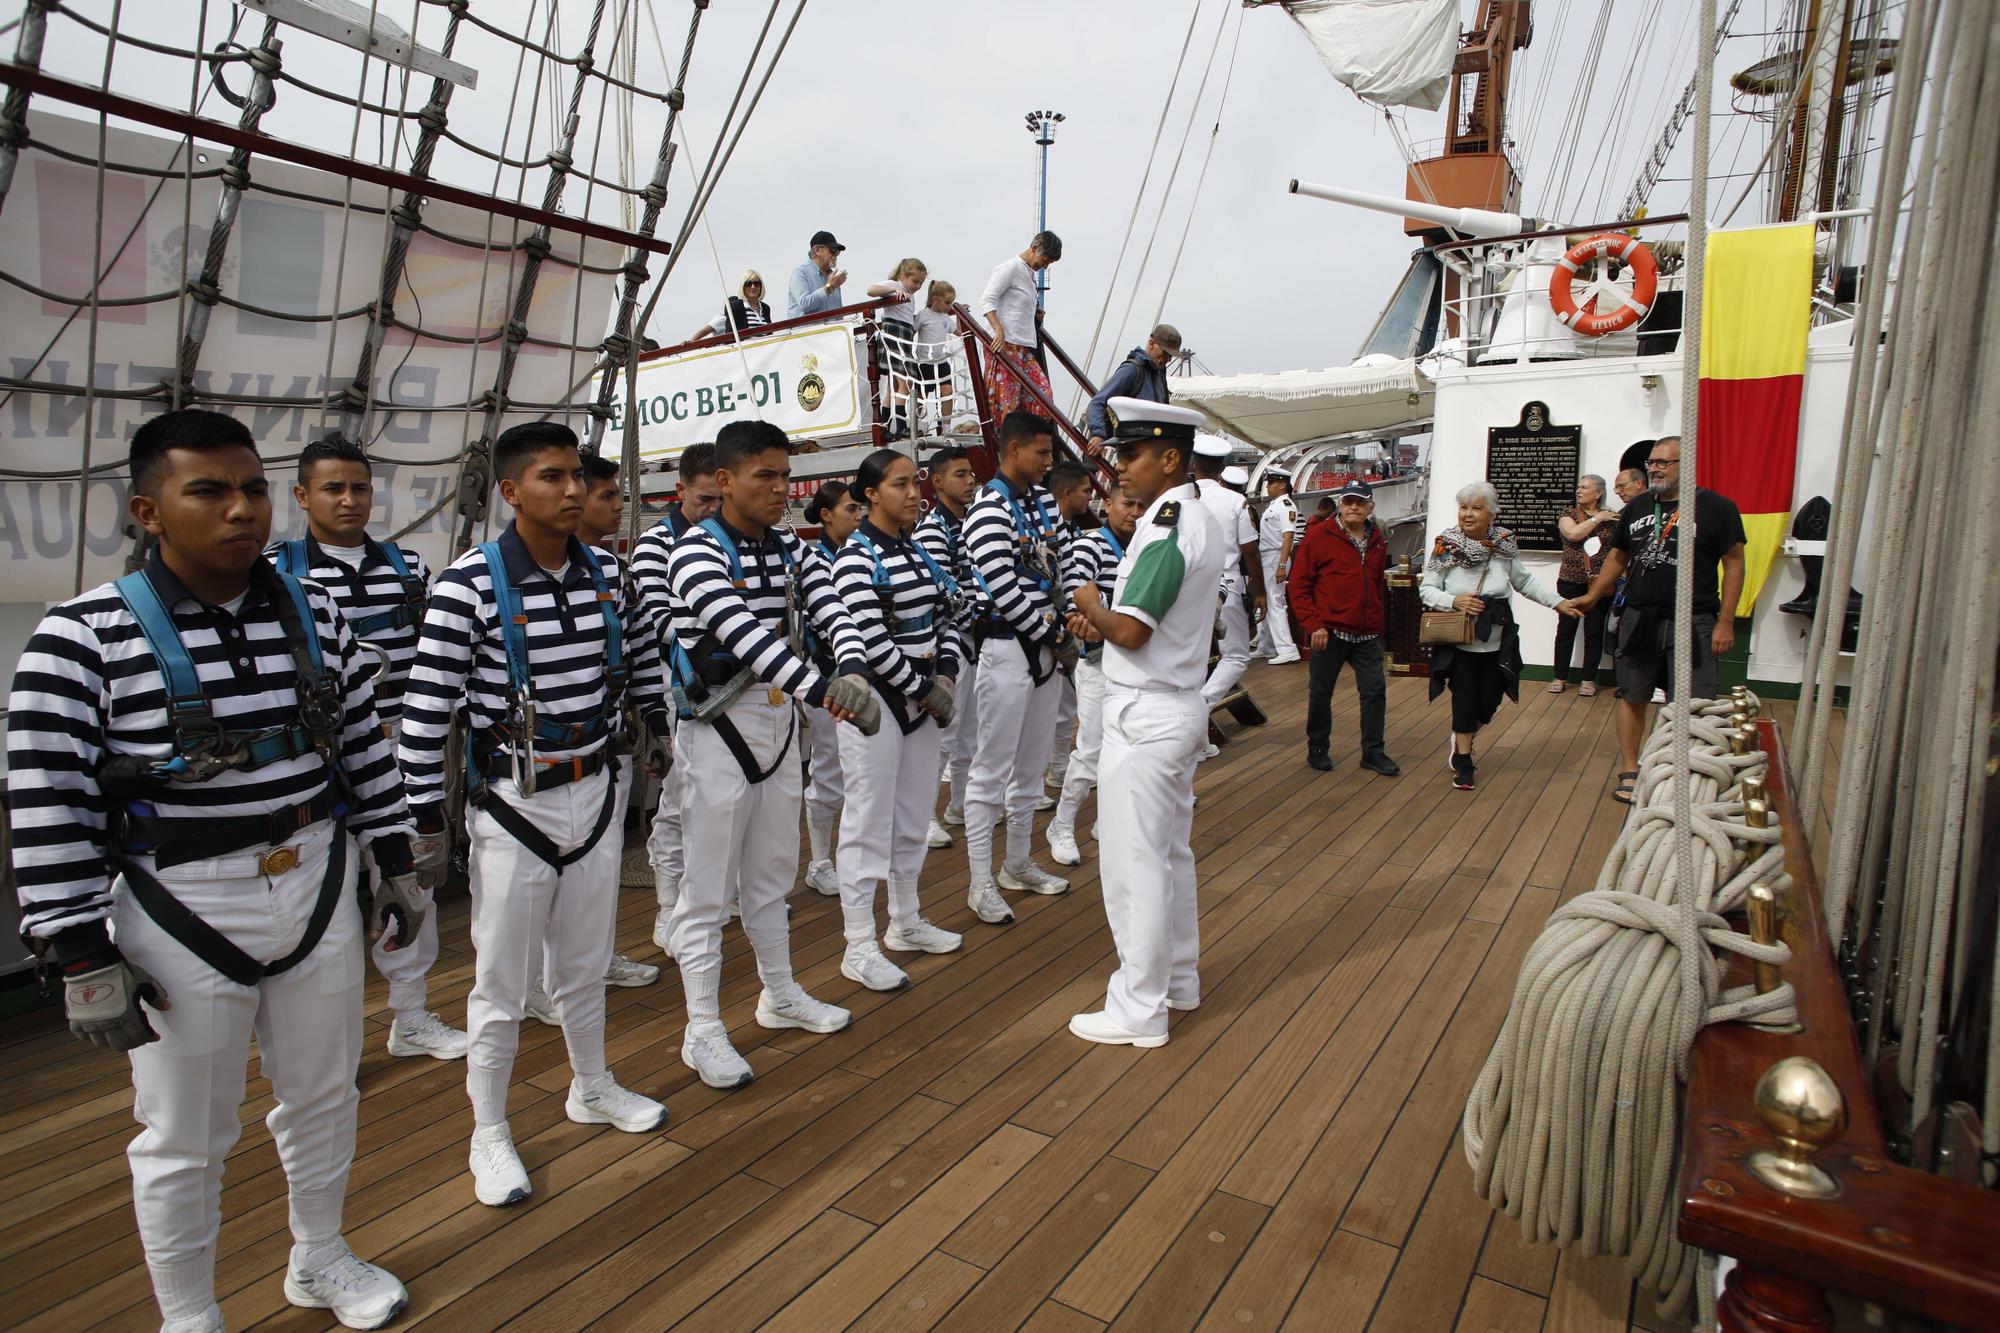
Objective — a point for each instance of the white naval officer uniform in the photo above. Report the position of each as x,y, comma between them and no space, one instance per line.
1232,518
88,690
1280,517
1155,722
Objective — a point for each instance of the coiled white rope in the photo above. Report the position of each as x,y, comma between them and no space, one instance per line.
1574,1124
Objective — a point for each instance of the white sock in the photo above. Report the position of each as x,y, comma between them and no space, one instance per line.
903,904
315,1216
702,987
586,1051
979,842
185,1287
488,1090
1020,841
774,966
857,914
956,801
819,832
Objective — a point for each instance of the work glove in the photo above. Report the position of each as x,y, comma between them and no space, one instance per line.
660,755
433,859
940,701
1067,650
103,1005
852,694
398,908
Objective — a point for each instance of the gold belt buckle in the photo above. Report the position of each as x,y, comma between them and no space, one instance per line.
278,861
777,697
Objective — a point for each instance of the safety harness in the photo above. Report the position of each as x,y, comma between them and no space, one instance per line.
1095,651
202,750
521,732
711,666
909,719
1032,559
296,560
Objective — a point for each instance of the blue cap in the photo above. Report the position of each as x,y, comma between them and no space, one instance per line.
1357,488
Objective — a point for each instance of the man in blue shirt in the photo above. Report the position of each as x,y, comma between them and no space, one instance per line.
1142,374
815,285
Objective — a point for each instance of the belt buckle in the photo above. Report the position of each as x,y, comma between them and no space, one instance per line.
278,861
776,697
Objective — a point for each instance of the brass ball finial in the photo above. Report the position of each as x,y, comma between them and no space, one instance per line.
1800,1104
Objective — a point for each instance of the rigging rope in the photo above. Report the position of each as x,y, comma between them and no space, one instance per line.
1194,202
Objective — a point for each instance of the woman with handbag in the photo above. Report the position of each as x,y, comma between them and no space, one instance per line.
1469,620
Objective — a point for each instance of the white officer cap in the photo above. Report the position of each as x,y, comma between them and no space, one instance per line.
1143,419
1276,473
1211,446
1235,476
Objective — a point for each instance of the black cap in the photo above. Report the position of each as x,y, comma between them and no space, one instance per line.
1357,488
825,238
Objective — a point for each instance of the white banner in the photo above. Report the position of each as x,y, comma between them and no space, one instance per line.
802,380
298,253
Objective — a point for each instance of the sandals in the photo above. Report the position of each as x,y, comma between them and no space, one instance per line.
1622,793
1555,687
1587,690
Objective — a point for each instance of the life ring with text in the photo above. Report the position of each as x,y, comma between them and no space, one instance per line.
1632,307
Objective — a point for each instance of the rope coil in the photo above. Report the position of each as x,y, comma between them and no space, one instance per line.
1573,1126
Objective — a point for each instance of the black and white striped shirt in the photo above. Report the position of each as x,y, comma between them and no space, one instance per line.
88,688
942,534
462,658
372,589
1094,560
746,612
997,541
904,659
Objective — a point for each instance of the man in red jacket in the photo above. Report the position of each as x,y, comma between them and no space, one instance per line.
1337,593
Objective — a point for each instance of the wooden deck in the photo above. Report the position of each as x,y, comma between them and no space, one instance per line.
955,1159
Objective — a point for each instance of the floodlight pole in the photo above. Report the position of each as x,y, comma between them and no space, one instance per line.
1042,124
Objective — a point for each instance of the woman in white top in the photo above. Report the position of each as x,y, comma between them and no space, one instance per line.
899,337
743,312
1008,305
1473,568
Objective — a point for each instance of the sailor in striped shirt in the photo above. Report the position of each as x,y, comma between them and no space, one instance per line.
537,682
741,590
901,601
1070,483
699,493
836,511
218,893
1015,540
1094,560
380,589
942,535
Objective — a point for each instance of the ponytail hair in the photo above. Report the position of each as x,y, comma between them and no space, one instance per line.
829,494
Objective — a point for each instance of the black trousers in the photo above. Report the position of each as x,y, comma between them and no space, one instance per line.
1476,687
1593,633
1366,659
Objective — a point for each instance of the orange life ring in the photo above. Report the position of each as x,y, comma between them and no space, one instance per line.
1645,284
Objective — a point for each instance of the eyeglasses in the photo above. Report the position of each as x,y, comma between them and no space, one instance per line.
1652,463
754,282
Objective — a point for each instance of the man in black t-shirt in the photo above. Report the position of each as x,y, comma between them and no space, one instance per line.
1645,548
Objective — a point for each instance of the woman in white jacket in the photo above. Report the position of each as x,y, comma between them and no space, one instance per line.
1474,568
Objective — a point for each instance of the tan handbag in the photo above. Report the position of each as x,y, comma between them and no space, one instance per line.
1452,628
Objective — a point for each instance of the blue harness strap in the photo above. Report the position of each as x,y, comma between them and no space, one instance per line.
680,662
514,638
294,560
906,624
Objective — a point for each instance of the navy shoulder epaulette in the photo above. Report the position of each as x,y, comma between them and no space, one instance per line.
1170,514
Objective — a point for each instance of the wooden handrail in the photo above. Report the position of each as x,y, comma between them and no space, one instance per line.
775,326
1102,474
1075,371
1908,1239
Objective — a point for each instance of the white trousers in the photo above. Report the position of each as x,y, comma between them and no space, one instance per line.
1065,735
1017,722
665,847
1234,619
744,838
1145,813
1275,634
891,782
828,788
407,969
188,1085
1081,774
524,913
961,738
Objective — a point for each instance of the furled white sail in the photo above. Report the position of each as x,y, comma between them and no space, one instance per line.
1396,52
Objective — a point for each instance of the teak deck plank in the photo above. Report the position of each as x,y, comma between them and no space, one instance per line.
955,1160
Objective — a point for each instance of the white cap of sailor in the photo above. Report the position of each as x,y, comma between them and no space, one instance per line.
1211,446
1236,477
1143,419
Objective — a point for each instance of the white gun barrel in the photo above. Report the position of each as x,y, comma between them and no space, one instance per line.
1469,221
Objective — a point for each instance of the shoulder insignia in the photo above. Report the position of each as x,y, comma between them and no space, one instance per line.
1170,514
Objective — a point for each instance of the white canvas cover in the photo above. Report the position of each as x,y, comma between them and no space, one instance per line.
1395,52
1289,406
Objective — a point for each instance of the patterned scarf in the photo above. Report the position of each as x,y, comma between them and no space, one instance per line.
1453,547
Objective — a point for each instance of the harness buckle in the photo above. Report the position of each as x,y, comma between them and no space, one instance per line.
278,861
205,749
521,747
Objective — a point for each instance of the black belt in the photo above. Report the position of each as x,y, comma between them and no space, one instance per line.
178,841
211,945
740,749
558,773
547,778
986,629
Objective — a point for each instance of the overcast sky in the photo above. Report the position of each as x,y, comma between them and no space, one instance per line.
898,125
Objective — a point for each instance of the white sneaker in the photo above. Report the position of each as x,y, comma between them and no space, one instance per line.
821,878
359,1294
920,936
1097,1027
1032,878
954,816
666,892
710,1055
609,1104
428,1035
938,836
498,1178
1094,833
1284,658
540,1007
208,1321
623,971
793,1008
1062,845
1054,778
1046,802
1208,752
864,963
987,904
663,931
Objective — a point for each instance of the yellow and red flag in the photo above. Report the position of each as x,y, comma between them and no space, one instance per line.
1756,304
